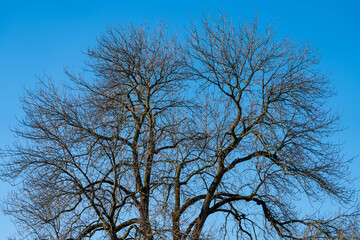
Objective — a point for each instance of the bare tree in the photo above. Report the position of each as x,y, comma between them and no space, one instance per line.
215,137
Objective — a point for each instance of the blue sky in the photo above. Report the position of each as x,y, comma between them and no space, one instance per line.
38,37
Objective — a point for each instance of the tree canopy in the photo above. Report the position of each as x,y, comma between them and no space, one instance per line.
215,136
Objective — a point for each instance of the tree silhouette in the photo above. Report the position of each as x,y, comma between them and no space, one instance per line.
215,136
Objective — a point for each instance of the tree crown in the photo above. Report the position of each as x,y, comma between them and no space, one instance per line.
213,137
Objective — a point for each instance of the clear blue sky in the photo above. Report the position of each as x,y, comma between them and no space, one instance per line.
39,37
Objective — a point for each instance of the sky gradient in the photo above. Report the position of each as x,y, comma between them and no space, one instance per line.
43,37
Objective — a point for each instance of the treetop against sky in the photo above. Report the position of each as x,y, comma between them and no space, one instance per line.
38,38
